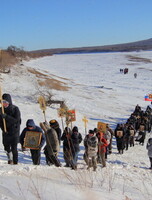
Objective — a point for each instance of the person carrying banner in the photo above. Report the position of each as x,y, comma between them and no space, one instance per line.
31,127
67,146
76,139
52,146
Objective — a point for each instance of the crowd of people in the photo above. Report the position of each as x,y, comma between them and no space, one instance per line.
97,143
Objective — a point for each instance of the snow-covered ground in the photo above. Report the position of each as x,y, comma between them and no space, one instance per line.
98,91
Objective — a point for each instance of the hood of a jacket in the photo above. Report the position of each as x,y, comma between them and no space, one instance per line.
30,122
8,98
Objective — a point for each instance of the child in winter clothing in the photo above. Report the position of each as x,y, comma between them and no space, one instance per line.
149,148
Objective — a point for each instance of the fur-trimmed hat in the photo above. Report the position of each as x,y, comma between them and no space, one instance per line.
54,124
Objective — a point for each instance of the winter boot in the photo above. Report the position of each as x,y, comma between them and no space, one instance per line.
10,158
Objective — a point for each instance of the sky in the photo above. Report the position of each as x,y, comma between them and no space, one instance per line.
127,176
44,24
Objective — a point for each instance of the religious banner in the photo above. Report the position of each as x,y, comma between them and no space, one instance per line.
42,103
32,140
71,115
141,128
61,112
119,134
101,126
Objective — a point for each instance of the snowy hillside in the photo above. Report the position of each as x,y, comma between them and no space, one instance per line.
95,88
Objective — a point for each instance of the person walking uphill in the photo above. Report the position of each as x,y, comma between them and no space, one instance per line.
76,139
149,148
35,153
12,118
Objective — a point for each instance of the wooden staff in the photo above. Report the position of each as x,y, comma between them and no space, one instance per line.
61,113
42,103
1,101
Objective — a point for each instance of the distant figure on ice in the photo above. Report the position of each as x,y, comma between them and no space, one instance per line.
12,118
135,75
126,71
121,70
149,148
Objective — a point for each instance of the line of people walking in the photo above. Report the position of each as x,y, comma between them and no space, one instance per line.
97,143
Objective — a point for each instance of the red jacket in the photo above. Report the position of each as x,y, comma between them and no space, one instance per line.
102,142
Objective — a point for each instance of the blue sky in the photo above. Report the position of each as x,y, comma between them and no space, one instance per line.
44,24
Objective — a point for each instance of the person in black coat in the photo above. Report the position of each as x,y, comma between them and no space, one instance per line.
67,146
76,139
12,118
119,134
35,153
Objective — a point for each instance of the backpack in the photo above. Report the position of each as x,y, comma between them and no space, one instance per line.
92,142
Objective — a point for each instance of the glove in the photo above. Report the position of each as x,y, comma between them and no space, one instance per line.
4,115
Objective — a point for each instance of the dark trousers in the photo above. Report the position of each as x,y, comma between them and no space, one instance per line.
150,158
35,154
12,148
51,158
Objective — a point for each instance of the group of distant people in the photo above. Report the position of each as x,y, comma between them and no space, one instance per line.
97,143
135,129
126,70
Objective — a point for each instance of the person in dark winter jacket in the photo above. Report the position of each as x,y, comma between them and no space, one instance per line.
141,134
76,139
52,146
12,118
35,153
119,134
54,124
149,148
67,146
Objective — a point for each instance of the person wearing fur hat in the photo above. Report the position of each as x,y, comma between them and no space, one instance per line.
149,148
76,139
55,125
35,153
12,119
